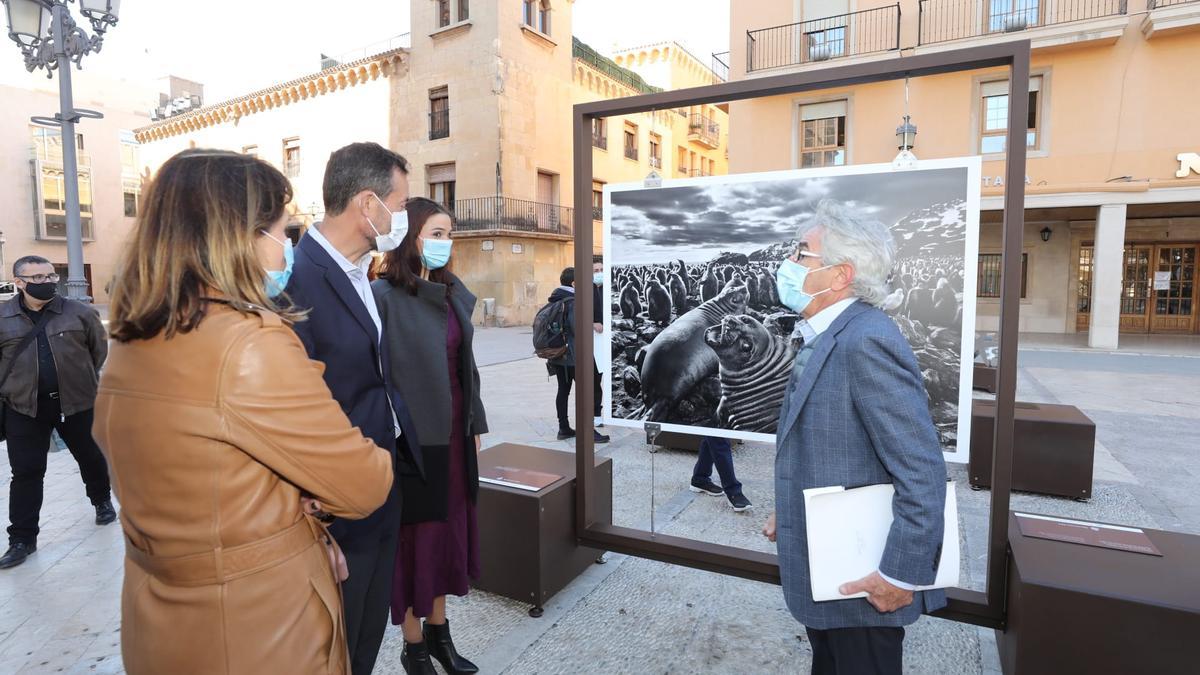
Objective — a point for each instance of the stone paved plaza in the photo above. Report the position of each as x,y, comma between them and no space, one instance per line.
59,612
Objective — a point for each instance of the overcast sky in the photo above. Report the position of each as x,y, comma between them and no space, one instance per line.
234,47
697,223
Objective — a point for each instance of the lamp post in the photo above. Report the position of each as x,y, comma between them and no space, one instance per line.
50,39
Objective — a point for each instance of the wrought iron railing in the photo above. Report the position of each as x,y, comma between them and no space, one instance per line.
1156,4
945,20
506,213
699,172
439,124
631,152
720,66
704,128
600,141
597,213
656,162
831,37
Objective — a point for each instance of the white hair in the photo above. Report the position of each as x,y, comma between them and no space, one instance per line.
864,243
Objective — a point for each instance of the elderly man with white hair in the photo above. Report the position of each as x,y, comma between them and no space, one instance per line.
855,415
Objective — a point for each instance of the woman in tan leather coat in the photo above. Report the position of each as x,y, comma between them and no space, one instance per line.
216,425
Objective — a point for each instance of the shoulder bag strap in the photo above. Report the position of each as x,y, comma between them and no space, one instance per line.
37,328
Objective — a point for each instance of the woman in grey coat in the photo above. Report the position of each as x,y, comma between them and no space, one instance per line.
426,314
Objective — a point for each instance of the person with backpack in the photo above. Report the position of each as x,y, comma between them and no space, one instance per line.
554,329
52,349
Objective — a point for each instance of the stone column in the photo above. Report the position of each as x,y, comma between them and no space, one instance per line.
1108,260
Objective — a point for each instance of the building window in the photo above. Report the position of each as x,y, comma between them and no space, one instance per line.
464,10
631,142
823,134
656,151
251,150
537,15
597,201
441,178
291,157
439,113
50,196
1083,302
600,133
681,161
1010,15
993,116
990,268
826,44
443,13
131,184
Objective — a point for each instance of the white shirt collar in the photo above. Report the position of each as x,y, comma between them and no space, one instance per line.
822,320
348,267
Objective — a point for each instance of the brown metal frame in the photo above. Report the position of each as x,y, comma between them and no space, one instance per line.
981,608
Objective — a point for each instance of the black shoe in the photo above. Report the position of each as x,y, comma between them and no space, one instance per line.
105,513
16,554
415,659
740,503
706,486
599,437
441,647
565,432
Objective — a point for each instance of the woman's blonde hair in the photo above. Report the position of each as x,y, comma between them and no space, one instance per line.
194,242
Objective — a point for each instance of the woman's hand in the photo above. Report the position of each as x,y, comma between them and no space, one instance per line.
478,443
337,561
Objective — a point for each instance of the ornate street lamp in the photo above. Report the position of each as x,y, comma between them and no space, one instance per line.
906,134
49,38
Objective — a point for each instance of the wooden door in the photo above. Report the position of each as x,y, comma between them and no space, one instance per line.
1173,307
1083,295
1136,280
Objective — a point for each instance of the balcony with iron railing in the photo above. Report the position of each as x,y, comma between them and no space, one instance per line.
599,141
720,66
482,214
696,173
1046,23
1170,17
656,161
855,34
704,131
631,152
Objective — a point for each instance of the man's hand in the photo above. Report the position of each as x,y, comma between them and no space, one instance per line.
478,444
769,529
883,596
598,327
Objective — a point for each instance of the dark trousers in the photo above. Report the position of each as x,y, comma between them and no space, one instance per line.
857,651
28,446
367,592
718,452
566,376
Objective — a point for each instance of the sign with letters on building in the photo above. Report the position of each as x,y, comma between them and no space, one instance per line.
1189,163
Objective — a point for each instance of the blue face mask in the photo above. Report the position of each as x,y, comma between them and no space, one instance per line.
598,278
435,253
790,277
277,280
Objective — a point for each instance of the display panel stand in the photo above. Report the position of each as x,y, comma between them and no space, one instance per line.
1083,609
527,541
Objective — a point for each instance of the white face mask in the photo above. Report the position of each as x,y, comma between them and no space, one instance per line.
391,240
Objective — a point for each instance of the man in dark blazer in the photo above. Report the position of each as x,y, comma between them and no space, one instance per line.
856,414
365,190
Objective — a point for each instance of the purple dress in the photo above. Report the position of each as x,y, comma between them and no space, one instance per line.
437,557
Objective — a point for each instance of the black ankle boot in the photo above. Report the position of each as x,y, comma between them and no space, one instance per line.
415,659
441,647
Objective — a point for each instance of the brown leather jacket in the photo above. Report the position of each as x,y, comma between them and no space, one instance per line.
212,436
78,343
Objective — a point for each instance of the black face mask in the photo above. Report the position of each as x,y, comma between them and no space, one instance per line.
43,291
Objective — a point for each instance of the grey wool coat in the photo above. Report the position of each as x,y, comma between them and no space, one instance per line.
855,415
415,327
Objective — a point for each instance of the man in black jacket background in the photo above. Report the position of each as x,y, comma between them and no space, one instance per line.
51,387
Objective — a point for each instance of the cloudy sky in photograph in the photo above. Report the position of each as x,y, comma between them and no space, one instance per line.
696,223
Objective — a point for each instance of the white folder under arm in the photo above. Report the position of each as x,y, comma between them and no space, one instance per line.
848,530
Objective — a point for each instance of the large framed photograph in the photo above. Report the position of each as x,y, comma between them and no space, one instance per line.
701,343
